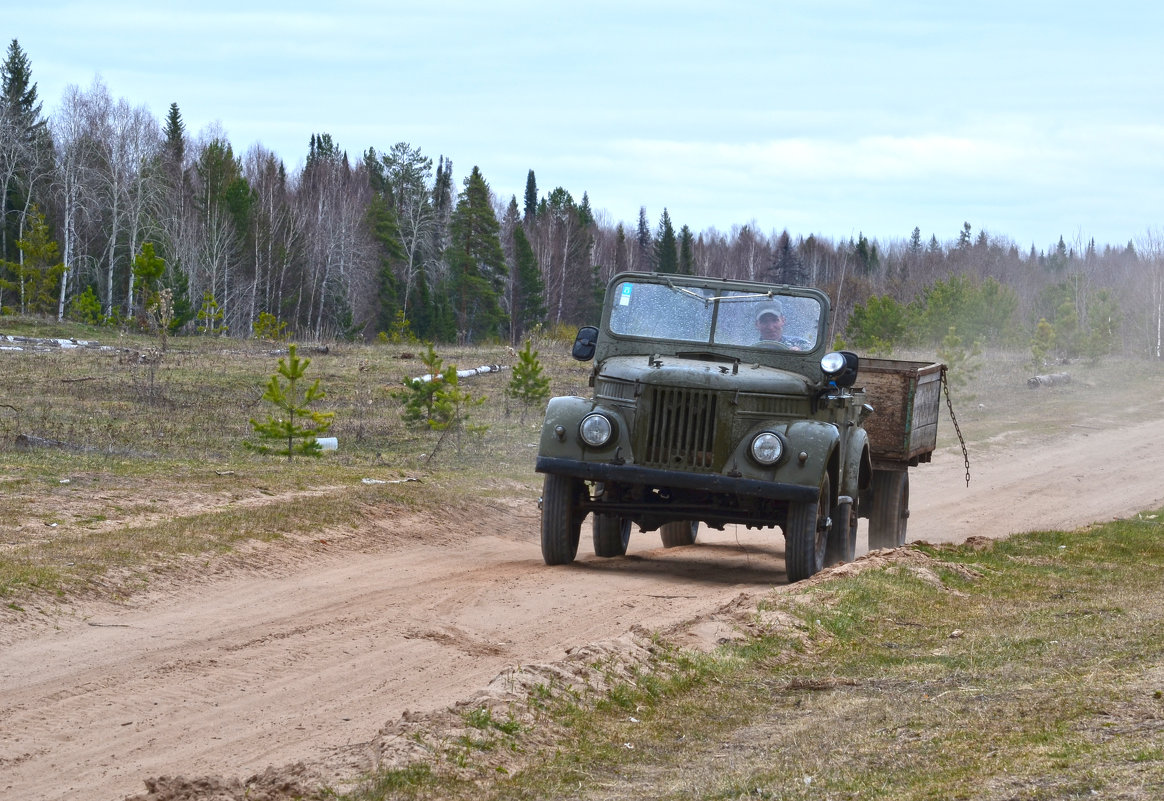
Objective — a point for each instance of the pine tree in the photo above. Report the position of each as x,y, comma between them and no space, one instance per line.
915,245
620,254
210,316
437,402
645,261
476,262
36,274
529,302
686,251
18,90
296,429
174,135
386,235
666,253
531,199
148,269
528,385
787,266
964,236
25,142
418,395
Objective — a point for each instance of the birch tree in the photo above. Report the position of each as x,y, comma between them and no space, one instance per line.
407,176
1150,247
75,148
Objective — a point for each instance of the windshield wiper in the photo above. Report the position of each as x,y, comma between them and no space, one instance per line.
710,356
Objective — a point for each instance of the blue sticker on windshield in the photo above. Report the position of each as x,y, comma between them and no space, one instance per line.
624,298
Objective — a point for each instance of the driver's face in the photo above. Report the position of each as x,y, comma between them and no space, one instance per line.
770,326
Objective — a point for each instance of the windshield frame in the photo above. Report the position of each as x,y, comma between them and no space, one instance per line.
721,315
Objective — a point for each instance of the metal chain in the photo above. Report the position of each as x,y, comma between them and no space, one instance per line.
950,406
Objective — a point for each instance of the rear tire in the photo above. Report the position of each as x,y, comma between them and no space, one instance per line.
611,535
561,518
842,542
890,493
679,532
806,534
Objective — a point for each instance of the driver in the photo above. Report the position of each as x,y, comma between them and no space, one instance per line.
770,324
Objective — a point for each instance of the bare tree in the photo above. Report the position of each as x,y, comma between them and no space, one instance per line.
1150,247
408,176
74,147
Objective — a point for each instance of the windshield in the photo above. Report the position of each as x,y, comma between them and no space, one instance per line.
693,314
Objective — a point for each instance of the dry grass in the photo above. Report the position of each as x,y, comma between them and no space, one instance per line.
115,463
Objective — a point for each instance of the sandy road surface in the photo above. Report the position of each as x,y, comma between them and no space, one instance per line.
230,677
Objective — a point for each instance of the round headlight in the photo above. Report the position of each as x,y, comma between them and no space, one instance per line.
767,448
832,363
596,430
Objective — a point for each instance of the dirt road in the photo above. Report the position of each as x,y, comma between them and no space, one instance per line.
307,661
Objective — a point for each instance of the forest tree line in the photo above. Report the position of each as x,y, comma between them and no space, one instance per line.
113,216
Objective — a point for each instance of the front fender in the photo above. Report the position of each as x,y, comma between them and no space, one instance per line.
857,471
567,412
809,445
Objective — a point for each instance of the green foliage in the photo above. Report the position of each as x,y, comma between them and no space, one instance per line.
179,286
666,249
86,308
1102,325
36,279
962,362
878,326
476,263
437,402
148,268
528,385
1042,342
400,332
161,312
982,311
296,428
269,327
451,405
210,316
1085,320
529,307
418,394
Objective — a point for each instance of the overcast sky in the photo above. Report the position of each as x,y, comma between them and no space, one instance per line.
1030,120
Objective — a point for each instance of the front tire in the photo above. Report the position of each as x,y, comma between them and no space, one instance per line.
679,532
806,534
611,535
561,518
890,493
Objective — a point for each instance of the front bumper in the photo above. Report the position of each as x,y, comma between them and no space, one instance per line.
652,477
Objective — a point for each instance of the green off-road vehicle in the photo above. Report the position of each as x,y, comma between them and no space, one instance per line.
720,402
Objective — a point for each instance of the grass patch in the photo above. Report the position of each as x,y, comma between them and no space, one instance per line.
1033,669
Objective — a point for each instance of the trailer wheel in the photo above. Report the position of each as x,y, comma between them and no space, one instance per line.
806,533
679,532
890,493
842,542
561,518
611,534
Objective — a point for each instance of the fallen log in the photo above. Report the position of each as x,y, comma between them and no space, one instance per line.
486,368
1049,380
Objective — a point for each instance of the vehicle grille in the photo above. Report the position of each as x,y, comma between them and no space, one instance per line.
680,431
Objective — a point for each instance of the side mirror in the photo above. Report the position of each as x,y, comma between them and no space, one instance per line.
584,343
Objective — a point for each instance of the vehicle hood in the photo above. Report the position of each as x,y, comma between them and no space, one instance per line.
706,374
